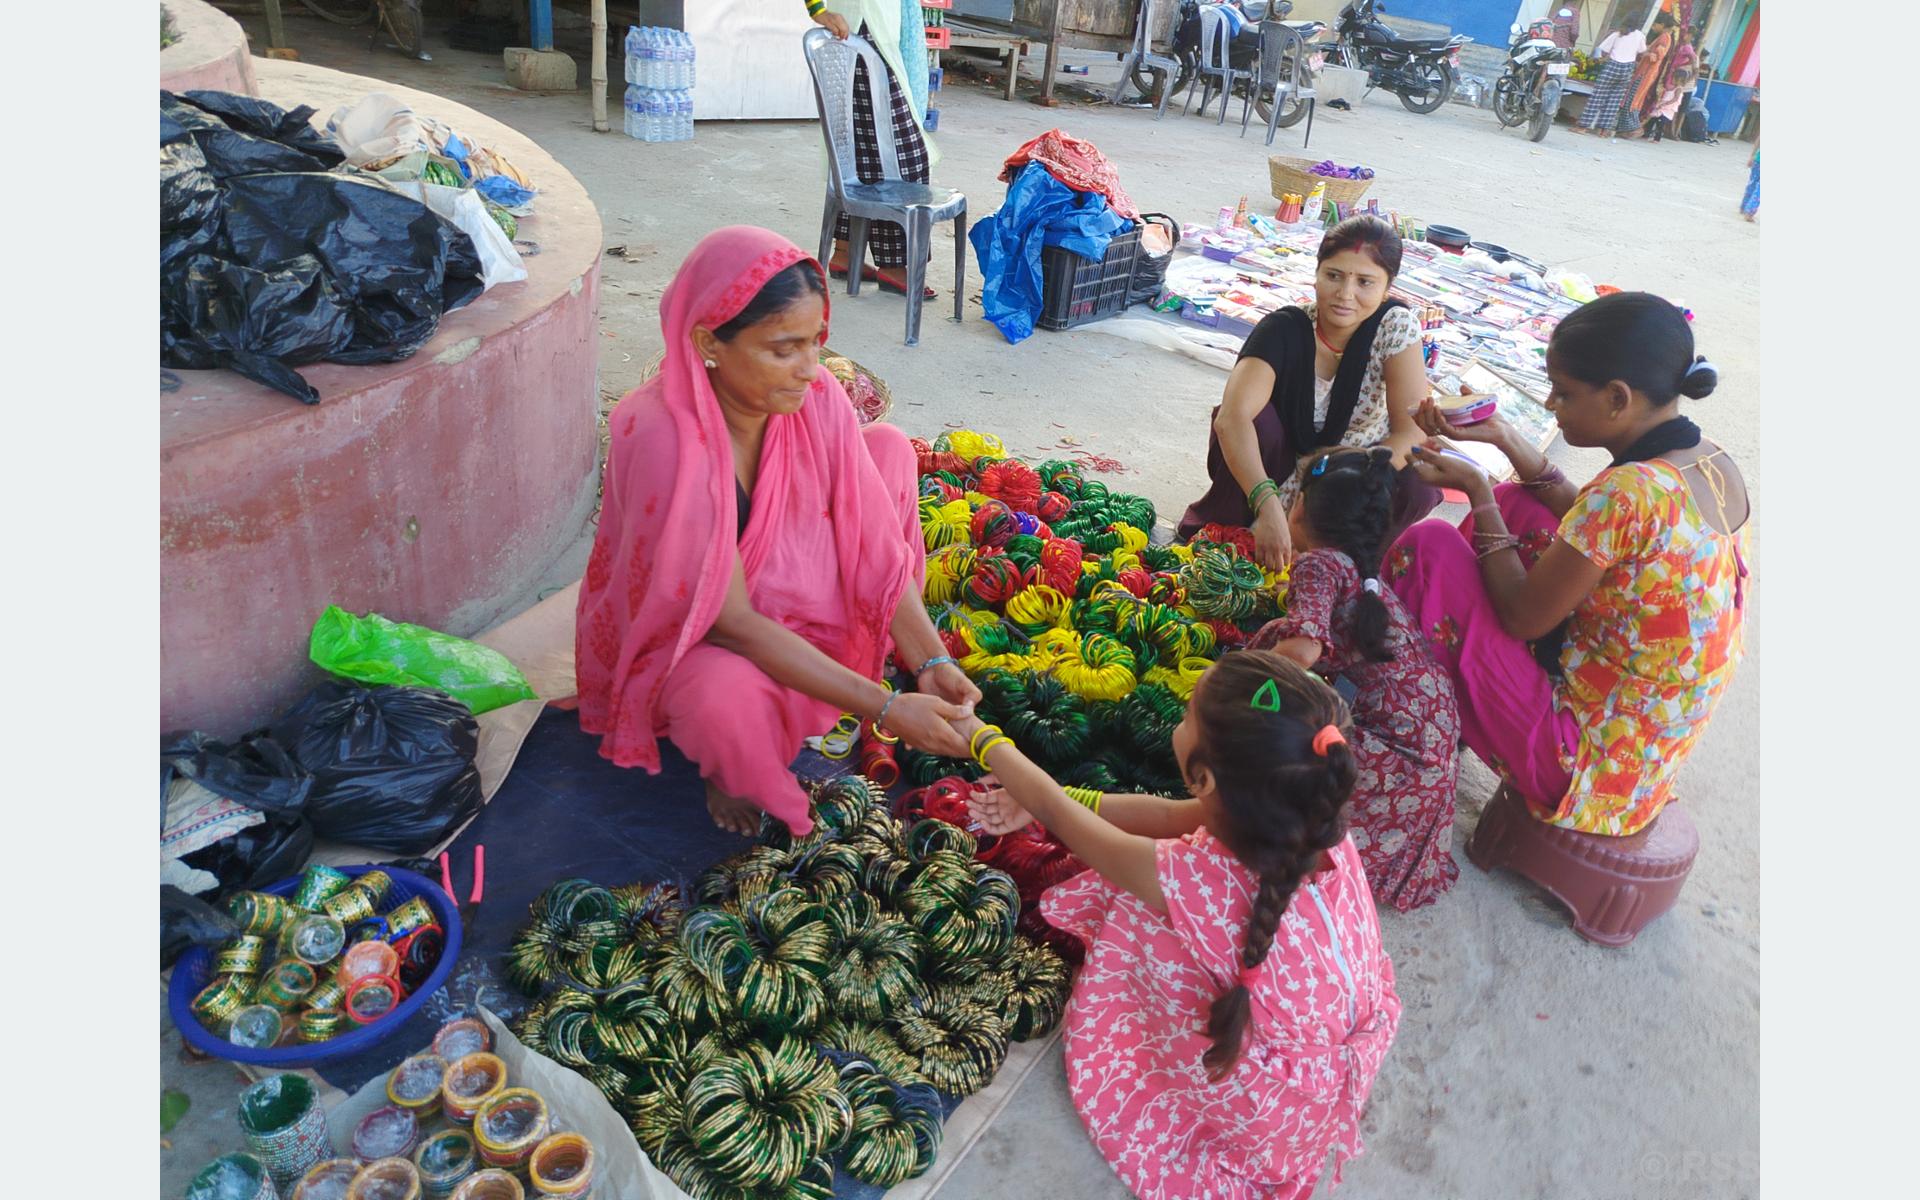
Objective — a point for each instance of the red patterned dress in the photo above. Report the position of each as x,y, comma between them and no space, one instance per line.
1406,726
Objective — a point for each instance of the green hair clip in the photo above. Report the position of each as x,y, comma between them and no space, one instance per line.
1267,699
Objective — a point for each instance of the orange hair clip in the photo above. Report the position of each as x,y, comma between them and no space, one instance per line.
1328,738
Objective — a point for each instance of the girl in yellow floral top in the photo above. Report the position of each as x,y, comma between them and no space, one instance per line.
1631,589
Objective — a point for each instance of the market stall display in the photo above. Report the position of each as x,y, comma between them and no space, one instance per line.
799,1010
1486,322
328,964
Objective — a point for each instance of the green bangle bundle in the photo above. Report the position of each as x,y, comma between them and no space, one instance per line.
861,940
762,1115
816,7
896,1130
960,1045
1261,492
876,961
1223,585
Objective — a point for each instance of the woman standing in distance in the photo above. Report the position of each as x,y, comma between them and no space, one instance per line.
894,28
1345,370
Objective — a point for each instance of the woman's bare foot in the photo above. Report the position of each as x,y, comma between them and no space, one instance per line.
731,814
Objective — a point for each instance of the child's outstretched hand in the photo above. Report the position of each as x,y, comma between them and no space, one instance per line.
996,811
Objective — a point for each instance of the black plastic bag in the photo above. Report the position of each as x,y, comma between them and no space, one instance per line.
1150,270
231,150
259,118
269,260
392,766
188,921
259,773
396,264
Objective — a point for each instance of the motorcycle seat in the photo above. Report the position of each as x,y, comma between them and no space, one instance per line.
1416,45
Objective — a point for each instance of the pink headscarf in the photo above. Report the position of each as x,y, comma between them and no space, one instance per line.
825,555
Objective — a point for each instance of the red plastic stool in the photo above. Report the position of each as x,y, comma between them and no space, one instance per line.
1614,886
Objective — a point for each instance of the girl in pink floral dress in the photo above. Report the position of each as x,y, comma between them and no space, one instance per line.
1236,1003
1342,621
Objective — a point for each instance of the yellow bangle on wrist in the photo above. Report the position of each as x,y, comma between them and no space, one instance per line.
999,739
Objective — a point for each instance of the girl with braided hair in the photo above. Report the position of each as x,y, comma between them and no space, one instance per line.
1246,903
1343,622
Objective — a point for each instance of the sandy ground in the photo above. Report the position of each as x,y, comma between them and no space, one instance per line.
1529,1063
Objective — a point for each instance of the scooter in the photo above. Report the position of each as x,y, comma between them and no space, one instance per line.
1528,92
1421,71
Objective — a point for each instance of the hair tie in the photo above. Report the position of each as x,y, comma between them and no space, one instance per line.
1328,737
1701,364
1370,585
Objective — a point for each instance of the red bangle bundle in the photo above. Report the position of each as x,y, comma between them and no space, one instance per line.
878,763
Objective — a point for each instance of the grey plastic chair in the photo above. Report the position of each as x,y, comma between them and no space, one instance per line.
1216,40
914,206
1283,72
1142,54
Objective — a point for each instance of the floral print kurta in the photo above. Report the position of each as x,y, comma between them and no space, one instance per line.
1406,730
1651,649
1324,1013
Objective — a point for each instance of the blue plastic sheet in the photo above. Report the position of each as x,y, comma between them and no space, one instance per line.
1039,211
497,188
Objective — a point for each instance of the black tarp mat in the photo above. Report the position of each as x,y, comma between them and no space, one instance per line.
271,258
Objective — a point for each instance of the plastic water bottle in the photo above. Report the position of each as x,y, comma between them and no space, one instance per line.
643,52
675,57
629,105
649,115
633,54
689,61
686,115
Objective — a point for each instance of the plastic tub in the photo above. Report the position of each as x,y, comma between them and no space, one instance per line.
195,970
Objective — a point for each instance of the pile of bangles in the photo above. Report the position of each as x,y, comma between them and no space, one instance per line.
1084,638
802,1009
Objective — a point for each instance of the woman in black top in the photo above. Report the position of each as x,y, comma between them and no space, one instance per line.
1346,370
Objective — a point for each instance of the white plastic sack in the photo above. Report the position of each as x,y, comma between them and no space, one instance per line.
499,261
377,128
575,1106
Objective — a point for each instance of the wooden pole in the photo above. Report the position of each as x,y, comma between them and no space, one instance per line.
599,19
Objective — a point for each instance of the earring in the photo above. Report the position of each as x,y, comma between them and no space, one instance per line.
711,364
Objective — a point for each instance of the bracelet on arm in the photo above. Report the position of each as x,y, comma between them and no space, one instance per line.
1087,798
1507,542
816,7
1258,496
998,739
938,660
880,718
980,735
1544,479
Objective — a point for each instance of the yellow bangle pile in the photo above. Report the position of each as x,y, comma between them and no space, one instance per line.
1087,798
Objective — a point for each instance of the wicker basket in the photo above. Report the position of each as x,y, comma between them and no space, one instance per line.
1292,174
872,399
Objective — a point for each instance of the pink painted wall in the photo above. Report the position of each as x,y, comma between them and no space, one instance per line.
211,53
433,490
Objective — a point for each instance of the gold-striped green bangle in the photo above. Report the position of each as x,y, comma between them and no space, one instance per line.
1085,797
816,7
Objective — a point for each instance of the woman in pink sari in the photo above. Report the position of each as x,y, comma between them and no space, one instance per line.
758,554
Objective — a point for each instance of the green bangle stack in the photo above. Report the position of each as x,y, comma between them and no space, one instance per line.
816,7
1258,496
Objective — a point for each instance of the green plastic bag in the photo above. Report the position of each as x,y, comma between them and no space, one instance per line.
372,649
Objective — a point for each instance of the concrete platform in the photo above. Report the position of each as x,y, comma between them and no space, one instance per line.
434,490
211,53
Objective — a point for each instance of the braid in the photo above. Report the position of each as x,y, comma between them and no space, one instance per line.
1279,816
1349,506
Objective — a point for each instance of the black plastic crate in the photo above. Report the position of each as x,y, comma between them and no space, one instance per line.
1079,290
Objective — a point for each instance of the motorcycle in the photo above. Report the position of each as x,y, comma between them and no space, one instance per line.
1186,51
1421,71
1528,92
